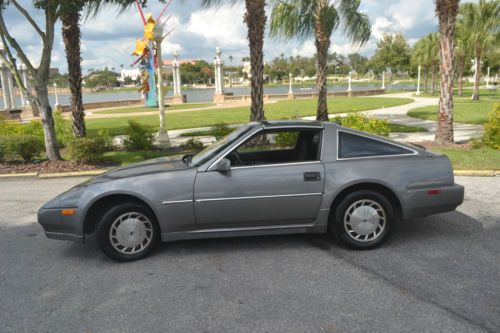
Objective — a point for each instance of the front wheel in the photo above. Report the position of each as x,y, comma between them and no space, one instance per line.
127,232
363,219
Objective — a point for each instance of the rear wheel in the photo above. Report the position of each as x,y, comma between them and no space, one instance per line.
363,219
127,232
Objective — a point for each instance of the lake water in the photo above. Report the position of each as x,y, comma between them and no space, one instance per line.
206,95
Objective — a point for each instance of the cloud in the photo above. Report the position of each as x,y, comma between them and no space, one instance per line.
109,38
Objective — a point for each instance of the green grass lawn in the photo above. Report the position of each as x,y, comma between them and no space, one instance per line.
467,93
275,111
465,111
170,107
472,159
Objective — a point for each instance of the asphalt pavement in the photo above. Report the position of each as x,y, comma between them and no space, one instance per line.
435,274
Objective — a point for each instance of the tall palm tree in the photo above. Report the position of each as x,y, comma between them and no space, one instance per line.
70,17
303,19
483,21
446,11
255,19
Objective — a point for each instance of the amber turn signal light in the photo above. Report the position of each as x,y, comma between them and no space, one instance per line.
68,212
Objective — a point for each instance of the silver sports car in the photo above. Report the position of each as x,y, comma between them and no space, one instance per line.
264,178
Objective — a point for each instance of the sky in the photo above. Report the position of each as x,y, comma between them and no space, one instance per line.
109,38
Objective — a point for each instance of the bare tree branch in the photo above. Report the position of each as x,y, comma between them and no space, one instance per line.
5,34
28,17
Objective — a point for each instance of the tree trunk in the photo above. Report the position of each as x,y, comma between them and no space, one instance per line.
322,45
42,103
461,68
71,37
477,78
255,18
447,11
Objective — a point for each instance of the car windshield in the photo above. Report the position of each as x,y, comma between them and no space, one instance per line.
218,146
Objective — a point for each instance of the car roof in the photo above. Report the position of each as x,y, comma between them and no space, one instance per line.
292,123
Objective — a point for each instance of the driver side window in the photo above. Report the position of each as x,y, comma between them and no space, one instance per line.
278,146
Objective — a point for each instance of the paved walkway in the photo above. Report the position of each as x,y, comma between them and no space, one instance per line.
398,115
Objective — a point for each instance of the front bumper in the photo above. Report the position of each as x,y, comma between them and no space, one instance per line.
58,226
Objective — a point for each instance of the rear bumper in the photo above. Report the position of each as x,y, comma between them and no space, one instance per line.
62,227
421,203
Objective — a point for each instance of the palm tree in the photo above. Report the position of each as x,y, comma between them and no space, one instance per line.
255,19
483,21
446,11
70,18
303,19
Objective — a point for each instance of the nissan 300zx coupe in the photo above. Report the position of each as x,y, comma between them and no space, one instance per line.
264,178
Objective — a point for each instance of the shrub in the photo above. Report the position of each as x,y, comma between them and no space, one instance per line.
140,137
220,130
87,150
2,151
21,145
363,123
491,135
287,139
63,127
192,144
105,134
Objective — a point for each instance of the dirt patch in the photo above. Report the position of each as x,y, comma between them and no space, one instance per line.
433,145
49,167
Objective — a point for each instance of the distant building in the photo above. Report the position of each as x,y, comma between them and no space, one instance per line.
134,74
54,70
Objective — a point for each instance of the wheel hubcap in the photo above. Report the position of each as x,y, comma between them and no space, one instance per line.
131,233
364,220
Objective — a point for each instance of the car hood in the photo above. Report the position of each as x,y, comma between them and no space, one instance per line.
156,165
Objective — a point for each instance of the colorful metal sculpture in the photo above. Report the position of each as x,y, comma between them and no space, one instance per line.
146,51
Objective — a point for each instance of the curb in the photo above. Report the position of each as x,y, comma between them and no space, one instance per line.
477,173
54,175
469,173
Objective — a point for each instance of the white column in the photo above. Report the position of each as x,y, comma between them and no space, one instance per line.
176,73
383,80
350,79
26,83
163,139
219,77
418,80
12,95
21,93
5,87
56,104
290,91
488,79
179,82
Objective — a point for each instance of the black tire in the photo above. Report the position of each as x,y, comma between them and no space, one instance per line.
341,223
142,214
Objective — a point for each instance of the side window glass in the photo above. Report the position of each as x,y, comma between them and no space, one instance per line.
279,146
352,145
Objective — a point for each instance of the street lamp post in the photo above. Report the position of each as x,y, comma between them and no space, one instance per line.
163,138
383,80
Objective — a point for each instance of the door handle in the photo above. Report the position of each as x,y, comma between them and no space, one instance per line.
312,176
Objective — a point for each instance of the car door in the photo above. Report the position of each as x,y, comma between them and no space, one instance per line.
281,188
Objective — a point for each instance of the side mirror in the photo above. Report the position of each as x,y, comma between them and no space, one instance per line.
224,165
